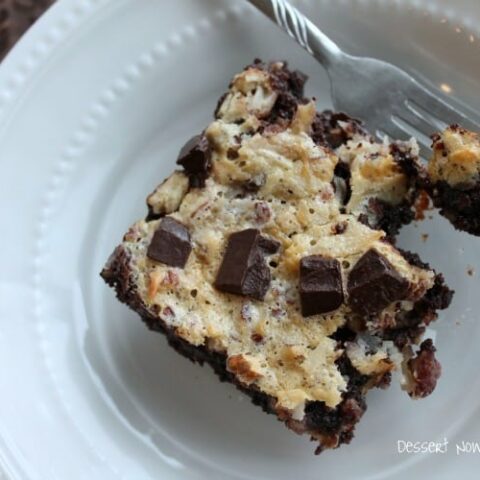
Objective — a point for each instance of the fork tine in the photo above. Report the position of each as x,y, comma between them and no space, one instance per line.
415,119
397,132
440,108
424,151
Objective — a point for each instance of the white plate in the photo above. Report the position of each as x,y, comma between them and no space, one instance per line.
94,104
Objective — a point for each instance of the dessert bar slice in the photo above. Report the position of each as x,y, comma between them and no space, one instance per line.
454,177
269,255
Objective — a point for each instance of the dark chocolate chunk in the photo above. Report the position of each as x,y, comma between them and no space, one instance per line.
321,289
243,270
170,243
194,157
373,284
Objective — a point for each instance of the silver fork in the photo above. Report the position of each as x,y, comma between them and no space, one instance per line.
386,98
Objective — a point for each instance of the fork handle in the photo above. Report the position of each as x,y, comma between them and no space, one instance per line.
301,29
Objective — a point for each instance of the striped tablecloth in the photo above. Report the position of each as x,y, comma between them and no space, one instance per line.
16,16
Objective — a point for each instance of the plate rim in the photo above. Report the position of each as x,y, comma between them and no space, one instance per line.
43,39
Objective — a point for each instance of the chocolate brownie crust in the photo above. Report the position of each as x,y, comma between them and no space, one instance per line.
330,427
459,204
259,256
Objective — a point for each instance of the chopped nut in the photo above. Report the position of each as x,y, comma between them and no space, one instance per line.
157,280
194,333
170,279
293,400
246,312
168,196
257,338
213,331
154,283
259,328
168,312
377,363
201,207
263,213
244,368
133,234
293,354
422,204
278,312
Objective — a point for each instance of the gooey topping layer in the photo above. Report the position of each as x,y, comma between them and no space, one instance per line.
274,182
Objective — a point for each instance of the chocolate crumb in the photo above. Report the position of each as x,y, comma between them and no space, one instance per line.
257,338
334,129
232,154
425,370
339,228
422,204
